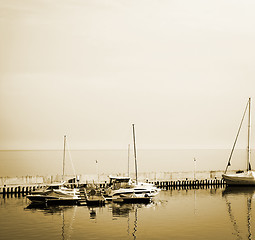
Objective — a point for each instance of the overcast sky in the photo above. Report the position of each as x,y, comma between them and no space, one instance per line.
181,71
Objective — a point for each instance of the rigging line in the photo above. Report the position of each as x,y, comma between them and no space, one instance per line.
64,158
236,138
249,133
69,153
133,125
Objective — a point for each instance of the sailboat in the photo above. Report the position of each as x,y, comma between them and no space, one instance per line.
123,189
246,177
56,193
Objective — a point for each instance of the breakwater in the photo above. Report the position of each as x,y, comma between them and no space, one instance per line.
178,184
18,189
190,183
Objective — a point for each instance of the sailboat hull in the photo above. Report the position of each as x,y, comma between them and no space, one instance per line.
245,179
40,199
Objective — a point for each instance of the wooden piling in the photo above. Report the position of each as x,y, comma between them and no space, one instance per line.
189,184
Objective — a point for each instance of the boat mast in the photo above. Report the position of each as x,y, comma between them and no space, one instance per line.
128,157
249,133
64,156
135,153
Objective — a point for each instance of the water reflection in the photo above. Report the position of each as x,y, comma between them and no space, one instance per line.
56,210
93,214
125,210
230,194
129,211
245,190
118,210
47,209
176,214
135,225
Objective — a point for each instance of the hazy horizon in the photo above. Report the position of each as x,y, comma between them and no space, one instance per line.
43,162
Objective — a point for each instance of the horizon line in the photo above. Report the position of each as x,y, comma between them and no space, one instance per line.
124,149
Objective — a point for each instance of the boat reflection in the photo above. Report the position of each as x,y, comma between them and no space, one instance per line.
234,207
242,190
56,209
66,229
124,210
117,210
129,211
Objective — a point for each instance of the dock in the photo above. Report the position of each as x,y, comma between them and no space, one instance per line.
163,184
83,200
93,197
19,189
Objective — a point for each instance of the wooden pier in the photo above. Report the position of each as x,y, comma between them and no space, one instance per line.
93,197
190,183
19,189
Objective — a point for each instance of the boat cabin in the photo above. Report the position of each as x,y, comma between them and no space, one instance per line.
117,182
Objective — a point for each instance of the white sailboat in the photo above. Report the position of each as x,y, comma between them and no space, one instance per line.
125,189
246,177
56,193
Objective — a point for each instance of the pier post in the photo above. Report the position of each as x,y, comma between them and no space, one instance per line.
183,183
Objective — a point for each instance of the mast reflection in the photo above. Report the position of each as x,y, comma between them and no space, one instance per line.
128,211
248,194
66,229
135,225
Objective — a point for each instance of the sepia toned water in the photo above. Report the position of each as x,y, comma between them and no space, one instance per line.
212,213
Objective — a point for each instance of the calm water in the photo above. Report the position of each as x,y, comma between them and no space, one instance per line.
175,214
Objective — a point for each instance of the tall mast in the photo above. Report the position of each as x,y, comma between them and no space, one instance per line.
128,157
135,153
249,133
64,156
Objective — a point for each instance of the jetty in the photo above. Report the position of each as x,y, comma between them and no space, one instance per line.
93,197
173,184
